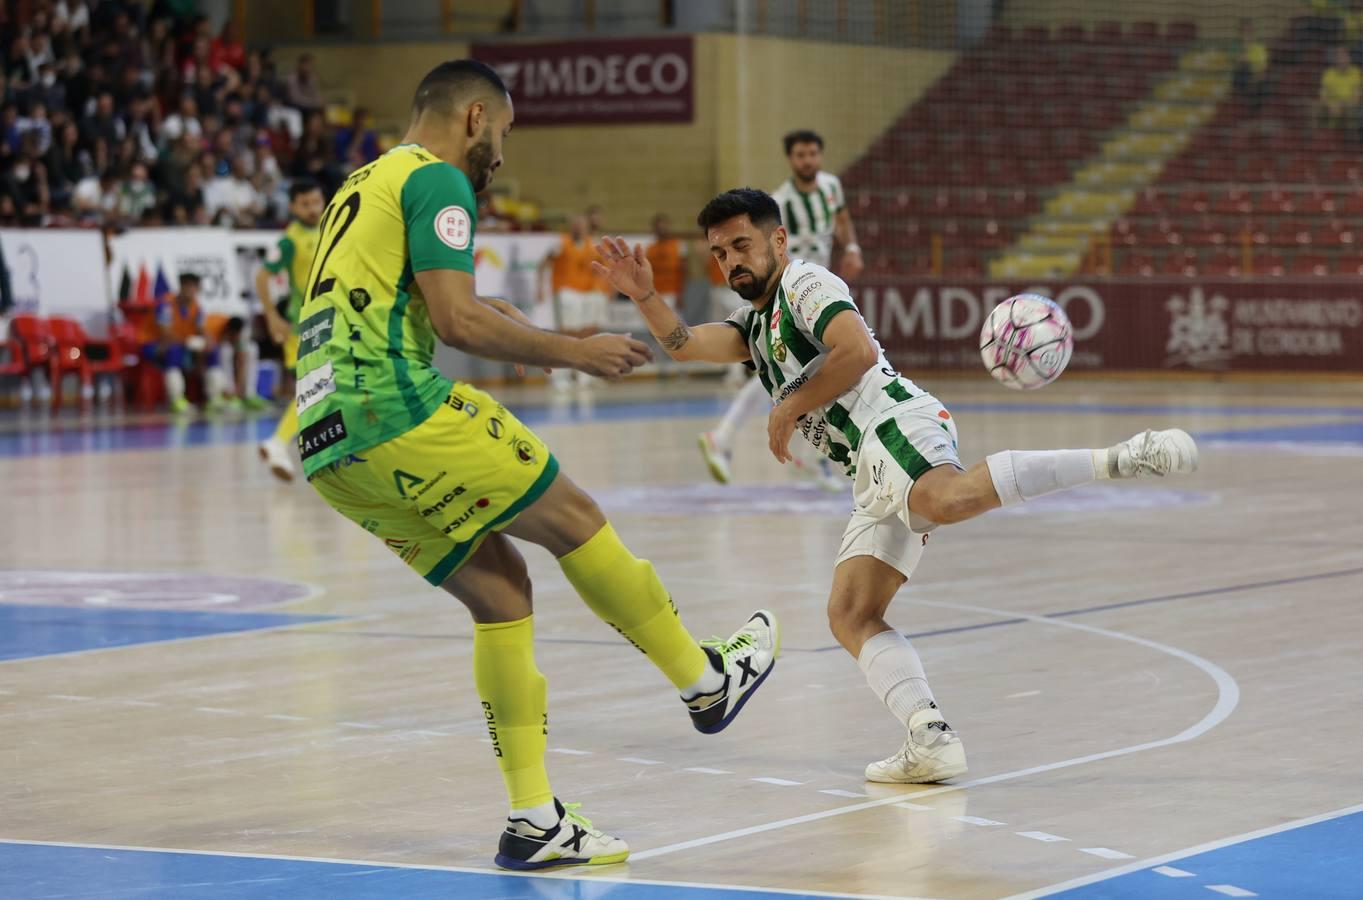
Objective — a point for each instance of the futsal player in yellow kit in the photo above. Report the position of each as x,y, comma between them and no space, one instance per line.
442,473
293,255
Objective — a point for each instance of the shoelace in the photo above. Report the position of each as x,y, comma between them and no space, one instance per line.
570,811
1149,456
740,641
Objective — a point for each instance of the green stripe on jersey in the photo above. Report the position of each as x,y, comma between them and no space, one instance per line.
790,223
809,208
776,377
755,341
401,377
904,453
827,315
840,419
898,393
792,337
823,202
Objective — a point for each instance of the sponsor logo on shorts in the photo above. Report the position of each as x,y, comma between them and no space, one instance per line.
525,451
495,428
405,549
454,401
404,480
370,525
314,386
465,516
792,386
453,227
321,434
359,299
446,500
430,483
315,330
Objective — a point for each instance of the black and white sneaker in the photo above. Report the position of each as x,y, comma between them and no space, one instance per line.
572,842
746,659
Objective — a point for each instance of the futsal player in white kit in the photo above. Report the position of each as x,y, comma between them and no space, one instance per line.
814,212
831,382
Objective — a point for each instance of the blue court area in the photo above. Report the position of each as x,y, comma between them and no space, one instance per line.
31,630
1321,861
76,436
42,872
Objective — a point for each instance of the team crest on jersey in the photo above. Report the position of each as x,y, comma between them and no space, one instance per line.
778,350
359,299
453,227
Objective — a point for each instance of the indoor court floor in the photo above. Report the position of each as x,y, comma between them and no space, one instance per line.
213,686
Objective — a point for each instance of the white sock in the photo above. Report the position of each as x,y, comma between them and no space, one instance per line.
250,369
1020,475
895,673
543,817
175,384
751,401
215,383
711,681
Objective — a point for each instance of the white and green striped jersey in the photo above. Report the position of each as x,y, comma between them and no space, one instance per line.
785,339
810,217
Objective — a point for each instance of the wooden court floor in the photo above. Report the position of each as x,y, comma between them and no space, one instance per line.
194,657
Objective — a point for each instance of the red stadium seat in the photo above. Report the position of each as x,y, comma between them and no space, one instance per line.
1348,265
1181,31
1144,32
1107,33
35,339
1311,265
1072,33
1223,265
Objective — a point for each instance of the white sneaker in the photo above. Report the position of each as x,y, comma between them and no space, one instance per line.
931,752
572,842
1154,453
276,456
716,457
746,659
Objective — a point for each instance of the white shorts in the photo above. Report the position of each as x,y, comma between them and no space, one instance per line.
912,439
579,310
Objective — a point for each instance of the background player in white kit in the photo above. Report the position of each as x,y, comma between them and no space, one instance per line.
814,212
830,380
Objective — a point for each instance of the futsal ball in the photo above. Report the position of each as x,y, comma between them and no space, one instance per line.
1026,342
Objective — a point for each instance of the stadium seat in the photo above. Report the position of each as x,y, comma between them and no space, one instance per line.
34,337
75,353
1181,31
1311,265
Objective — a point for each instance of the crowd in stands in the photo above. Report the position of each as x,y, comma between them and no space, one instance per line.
113,115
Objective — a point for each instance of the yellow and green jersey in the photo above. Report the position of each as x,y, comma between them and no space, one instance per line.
294,255
365,372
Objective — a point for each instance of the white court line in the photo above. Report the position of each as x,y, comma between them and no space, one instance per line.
283,718
916,807
468,870
639,761
839,792
566,751
702,770
782,782
1171,872
1230,890
978,820
1105,853
1186,852
1044,836
1228,696
1022,694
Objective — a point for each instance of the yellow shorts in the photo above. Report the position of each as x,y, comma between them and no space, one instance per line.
290,349
434,493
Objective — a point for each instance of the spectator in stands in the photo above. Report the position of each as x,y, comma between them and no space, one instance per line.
235,195
26,184
47,90
9,127
103,124
183,122
1250,79
95,198
313,158
356,143
73,16
226,50
136,195
37,124
1340,92
66,165
303,90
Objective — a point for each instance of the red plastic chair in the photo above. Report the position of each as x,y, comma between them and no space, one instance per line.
34,338
87,357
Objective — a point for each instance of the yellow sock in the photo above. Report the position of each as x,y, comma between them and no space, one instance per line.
515,705
627,594
287,429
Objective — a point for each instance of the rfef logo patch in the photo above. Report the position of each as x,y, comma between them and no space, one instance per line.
453,227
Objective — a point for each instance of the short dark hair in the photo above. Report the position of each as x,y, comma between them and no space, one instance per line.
756,205
188,278
801,136
453,82
301,186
